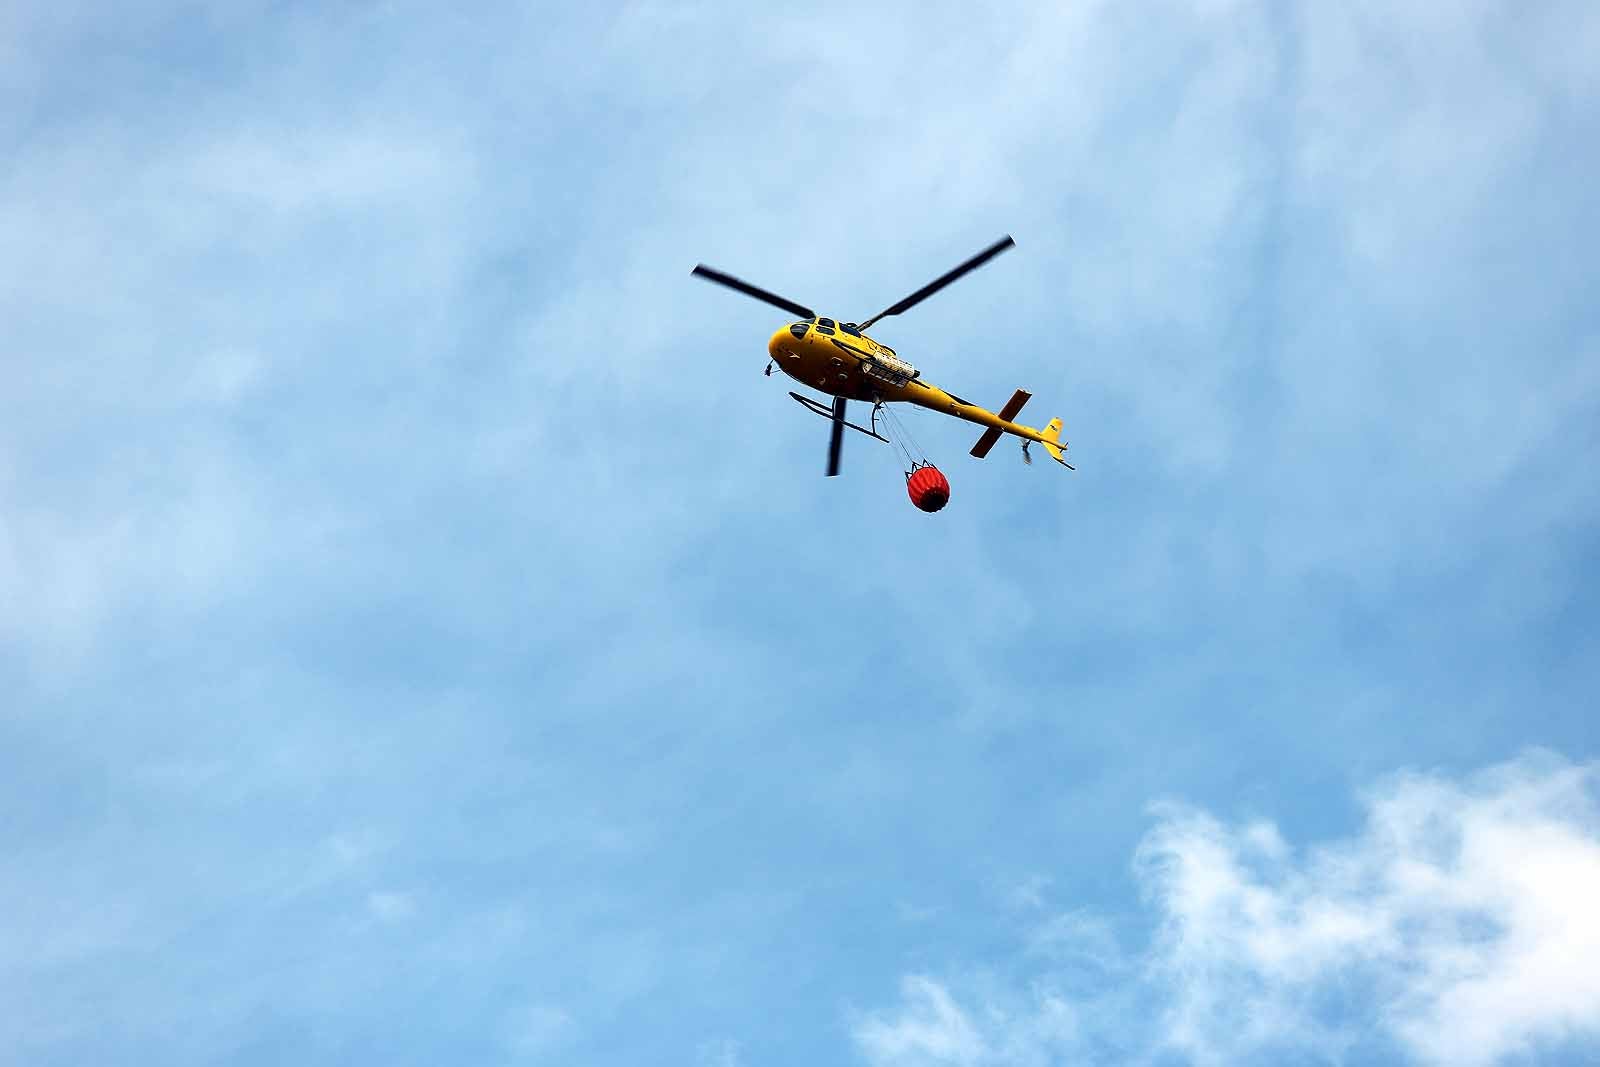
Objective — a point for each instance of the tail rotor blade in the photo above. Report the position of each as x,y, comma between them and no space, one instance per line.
836,435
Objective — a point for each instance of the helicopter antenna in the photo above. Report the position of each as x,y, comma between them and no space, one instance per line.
940,282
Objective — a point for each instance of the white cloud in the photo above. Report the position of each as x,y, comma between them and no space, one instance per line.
537,1029
1084,939
1028,894
931,1028
1456,926
148,285
391,907
720,1053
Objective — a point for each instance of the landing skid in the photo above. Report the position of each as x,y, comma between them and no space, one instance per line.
827,413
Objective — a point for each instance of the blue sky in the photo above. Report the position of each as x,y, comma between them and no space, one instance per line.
426,637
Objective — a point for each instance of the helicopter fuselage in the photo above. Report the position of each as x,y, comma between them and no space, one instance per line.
839,359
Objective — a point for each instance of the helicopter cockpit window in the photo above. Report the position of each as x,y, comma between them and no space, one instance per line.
798,329
825,326
850,328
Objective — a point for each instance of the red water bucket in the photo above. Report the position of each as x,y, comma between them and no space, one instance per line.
928,488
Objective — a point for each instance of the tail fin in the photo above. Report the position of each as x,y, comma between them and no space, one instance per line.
1054,445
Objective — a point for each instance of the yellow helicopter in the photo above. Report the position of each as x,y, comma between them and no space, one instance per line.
839,358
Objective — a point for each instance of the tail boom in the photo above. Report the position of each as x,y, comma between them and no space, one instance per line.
936,399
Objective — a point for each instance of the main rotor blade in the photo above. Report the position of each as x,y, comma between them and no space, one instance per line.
797,310
943,280
836,435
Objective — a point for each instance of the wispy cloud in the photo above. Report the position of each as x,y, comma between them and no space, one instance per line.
930,1028
536,1031
1456,927
723,1052
390,906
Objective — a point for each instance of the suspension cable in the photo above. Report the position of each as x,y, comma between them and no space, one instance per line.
905,444
891,430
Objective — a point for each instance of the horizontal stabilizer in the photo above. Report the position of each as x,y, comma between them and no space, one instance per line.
1007,413
985,443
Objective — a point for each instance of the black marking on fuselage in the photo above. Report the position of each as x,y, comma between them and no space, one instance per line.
852,349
